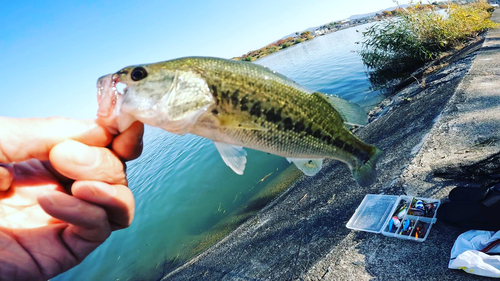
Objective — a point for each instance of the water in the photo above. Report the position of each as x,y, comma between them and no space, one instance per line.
183,188
328,64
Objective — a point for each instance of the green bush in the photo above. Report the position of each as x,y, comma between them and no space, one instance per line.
271,49
421,34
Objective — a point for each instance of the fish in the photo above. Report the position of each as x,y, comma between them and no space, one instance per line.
239,105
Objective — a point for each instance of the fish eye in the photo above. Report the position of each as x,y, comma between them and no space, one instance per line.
138,73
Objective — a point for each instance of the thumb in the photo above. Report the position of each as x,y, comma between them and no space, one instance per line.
23,139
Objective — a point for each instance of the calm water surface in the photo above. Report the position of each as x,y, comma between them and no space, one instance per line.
183,188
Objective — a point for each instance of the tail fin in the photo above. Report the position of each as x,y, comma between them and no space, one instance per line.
366,174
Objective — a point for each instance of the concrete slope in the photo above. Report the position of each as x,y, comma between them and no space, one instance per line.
436,134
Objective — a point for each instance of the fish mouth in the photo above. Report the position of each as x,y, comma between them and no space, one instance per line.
108,95
111,97
110,100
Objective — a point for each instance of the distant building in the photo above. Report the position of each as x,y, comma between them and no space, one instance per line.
321,31
345,23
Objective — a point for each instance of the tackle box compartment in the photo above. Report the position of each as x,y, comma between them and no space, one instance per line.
403,217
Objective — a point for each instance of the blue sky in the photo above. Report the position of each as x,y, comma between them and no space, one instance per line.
52,52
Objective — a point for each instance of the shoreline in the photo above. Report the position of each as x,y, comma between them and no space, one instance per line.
253,59
302,234
292,176
307,35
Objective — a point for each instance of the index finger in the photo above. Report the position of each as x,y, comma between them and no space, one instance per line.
26,138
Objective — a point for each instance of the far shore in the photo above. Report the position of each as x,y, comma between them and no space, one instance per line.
335,26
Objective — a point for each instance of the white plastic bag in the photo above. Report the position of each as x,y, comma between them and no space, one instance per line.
466,253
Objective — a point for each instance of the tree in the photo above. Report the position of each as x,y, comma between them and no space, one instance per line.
305,34
387,13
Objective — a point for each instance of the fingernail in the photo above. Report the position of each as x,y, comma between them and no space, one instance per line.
103,189
61,200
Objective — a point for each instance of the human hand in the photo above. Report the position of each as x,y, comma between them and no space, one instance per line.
62,192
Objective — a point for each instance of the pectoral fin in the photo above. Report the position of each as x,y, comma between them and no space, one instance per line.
234,156
309,167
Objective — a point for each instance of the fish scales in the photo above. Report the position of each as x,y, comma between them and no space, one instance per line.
298,124
242,104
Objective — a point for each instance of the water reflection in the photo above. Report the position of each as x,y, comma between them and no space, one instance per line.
329,64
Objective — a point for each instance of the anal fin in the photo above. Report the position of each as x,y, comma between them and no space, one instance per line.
309,167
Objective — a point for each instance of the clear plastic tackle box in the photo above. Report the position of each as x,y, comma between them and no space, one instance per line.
403,217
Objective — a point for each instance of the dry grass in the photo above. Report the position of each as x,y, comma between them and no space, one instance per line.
421,34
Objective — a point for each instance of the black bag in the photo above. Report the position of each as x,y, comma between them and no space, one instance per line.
472,208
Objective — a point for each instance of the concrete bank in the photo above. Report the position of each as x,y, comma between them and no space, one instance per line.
435,136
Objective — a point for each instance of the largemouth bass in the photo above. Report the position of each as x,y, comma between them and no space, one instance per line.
239,104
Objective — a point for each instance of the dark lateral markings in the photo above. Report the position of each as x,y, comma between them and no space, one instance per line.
299,127
288,124
215,93
256,109
235,98
244,103
275,116
214,90
309,130
272,116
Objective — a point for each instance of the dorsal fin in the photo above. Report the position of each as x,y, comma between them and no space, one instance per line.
350,112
